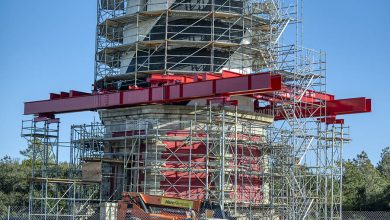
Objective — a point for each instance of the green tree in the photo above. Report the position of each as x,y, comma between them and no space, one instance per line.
353,180
363,184
36,149
14,185
15,175
384,168
384,164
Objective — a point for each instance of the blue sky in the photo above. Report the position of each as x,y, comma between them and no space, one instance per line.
48,46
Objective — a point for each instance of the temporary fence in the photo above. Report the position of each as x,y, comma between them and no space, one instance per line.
22,212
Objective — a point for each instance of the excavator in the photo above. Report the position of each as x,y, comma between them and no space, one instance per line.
139,206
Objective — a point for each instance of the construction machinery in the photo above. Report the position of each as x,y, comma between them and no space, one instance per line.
141,206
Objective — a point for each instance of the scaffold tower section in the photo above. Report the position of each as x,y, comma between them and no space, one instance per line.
212,153
136,38
52,194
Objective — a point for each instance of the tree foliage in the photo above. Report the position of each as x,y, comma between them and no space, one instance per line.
366,187
14,185
384,164
15,175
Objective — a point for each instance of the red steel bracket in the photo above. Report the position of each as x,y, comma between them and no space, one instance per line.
331,120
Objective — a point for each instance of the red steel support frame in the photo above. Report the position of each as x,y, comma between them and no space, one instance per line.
183,88
77,101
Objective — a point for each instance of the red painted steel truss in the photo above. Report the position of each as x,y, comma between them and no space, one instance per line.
174,88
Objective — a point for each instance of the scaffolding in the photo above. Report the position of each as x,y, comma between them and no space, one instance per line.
252,166
138,38
54,194
216,153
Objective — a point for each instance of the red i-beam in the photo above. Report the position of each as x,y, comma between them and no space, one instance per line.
332,109
77,101
184,88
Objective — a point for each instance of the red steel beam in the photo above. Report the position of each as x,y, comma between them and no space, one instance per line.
348,106
333,108
77,101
